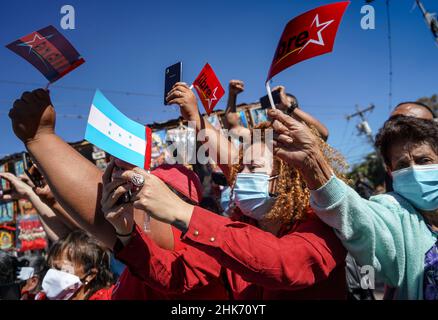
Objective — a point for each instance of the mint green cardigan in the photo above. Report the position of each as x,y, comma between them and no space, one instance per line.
385,232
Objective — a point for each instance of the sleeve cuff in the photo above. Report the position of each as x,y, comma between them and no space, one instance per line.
329,194
124,253
205,228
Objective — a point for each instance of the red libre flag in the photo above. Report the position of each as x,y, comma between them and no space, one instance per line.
309,35
209,88
48,51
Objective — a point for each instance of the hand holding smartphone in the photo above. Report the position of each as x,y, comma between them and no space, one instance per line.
32,172
172,75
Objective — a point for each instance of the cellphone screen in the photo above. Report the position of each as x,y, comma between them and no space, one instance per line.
173,74
264,101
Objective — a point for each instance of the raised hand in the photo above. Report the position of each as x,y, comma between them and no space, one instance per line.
284,101
235,87
183,96
158,200
33,115
294,141
296,144
121,216
20,189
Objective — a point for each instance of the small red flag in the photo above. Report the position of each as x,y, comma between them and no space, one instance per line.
209,88
309,35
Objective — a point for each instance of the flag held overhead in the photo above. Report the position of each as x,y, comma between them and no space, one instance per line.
48,51
113,132
209,88
309,35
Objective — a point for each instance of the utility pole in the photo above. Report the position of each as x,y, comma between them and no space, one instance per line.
363,127
430,19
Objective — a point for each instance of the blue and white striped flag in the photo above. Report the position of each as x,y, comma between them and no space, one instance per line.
115,133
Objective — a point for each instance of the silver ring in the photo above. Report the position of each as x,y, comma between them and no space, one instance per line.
137,180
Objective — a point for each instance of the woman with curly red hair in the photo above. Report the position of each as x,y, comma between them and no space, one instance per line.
273,247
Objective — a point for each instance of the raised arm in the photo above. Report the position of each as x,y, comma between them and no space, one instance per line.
164,270
234,88
75,182
223,152
368,229
53,225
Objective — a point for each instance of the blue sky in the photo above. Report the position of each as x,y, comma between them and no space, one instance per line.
127,44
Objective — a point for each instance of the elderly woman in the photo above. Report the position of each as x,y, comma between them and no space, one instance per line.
395,233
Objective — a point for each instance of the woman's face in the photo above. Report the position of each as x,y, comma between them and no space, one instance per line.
404,155
258,158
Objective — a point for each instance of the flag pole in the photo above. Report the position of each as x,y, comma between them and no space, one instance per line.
268,89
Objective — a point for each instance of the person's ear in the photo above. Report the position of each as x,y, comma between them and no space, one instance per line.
33,283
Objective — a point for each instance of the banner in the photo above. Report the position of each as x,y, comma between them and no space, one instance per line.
113,132
48,51
209,88
309,35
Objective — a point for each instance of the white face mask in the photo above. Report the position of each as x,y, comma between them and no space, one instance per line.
26,273
60,285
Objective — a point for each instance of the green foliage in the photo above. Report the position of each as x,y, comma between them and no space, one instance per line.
371,168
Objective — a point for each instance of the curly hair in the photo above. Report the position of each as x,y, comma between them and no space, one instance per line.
293,196
409,130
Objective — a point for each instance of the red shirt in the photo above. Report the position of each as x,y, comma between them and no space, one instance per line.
102,294
130,287
306,263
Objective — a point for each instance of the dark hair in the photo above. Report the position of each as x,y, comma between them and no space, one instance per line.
39,265
8,268
409,130
421,104
84,250
294,98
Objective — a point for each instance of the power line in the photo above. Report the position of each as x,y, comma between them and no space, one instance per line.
388,17
77,88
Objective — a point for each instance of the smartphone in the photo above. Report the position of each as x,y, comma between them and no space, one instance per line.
266,104
173,74
31,171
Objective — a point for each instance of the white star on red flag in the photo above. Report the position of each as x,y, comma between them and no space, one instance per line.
322,26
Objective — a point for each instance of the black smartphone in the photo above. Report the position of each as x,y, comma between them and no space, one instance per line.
266,104
31,171
173,74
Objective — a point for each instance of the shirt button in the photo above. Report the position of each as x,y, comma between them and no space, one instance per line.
196,233
212,239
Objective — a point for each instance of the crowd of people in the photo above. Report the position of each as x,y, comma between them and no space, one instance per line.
279,226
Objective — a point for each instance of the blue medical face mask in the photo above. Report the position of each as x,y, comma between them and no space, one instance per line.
419,185
251,194
225,199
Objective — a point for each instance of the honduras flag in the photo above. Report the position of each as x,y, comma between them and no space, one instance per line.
115,133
